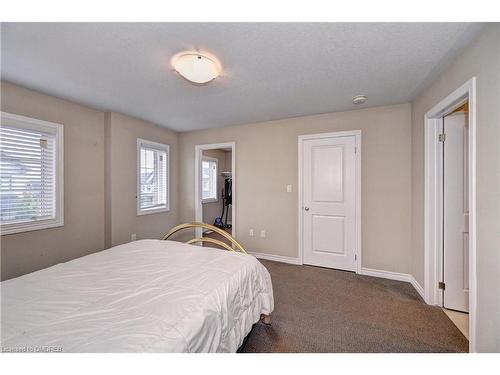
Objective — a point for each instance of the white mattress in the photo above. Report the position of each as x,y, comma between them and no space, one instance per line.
144,296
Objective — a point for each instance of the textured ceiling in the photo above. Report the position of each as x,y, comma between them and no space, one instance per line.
270,71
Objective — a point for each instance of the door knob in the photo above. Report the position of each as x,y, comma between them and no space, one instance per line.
306,208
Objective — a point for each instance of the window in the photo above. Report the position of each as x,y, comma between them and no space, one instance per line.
152,177
31,174
209,179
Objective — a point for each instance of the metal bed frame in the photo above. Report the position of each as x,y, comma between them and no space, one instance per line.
234,247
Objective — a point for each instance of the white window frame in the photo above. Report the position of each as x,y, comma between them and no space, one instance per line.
158,146
58,131
216,161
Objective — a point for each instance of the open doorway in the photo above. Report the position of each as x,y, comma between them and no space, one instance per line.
450,193
215,187
455,205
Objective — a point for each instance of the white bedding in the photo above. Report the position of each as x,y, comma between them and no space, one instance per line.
144,296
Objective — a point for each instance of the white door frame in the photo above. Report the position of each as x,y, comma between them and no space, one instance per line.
357,135
433,199
197,194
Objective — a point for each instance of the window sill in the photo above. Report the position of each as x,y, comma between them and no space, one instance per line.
157,210
203,201
30,226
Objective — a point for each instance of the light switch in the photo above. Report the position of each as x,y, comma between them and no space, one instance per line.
263,233
251,233
288,188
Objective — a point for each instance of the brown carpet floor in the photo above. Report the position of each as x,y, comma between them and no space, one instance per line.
324,310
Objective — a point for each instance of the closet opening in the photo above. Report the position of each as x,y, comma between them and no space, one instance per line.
215,188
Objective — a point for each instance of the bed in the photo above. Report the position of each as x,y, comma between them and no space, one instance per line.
143,296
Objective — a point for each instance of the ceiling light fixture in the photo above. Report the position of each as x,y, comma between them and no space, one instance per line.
359,99
197,67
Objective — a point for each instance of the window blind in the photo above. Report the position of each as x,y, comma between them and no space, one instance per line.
209,179
153,176
27,175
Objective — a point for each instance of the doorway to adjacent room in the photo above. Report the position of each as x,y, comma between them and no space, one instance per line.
450,209
215,187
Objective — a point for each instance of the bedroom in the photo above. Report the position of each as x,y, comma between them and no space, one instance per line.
323,172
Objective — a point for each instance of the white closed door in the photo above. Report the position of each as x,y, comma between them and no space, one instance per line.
456,213
329,202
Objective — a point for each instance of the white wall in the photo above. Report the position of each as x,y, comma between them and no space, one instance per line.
482,60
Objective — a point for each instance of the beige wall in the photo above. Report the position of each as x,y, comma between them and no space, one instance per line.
266,161
482,60
83,230
99,162
121,180
229,161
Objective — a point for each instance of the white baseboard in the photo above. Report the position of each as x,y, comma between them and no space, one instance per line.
406,277
418,287
394,276
386,274
276,258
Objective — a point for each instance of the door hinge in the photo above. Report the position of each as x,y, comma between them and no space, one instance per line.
355,256
355,150
442,137
441,285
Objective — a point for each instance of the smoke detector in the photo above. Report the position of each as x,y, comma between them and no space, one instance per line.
359,99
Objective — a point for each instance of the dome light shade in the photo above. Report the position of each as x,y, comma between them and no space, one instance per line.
197,67
359,99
